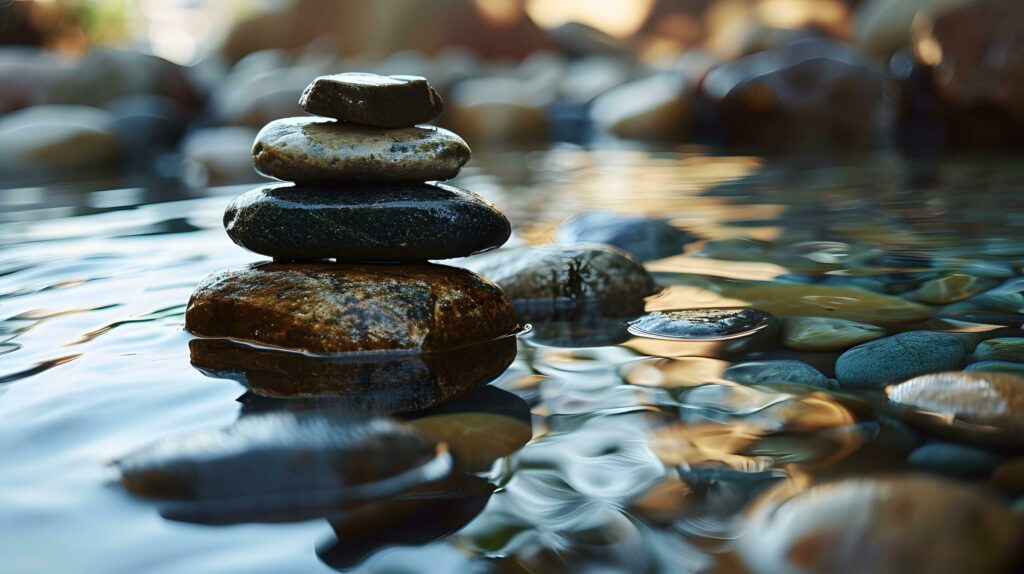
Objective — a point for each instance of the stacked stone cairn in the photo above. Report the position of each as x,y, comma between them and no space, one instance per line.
352,230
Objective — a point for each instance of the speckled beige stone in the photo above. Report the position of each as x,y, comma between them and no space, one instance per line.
320,150
335,308
975,406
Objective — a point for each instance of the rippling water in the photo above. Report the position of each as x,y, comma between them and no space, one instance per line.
94,362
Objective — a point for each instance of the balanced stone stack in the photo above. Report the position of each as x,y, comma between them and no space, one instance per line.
352,234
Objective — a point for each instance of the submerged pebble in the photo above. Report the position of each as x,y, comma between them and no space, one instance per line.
1001,349
881,362
852,304
996,367
777,372
950,288
977,407
325,308
826,333
318,150
702,324
954,460
880,525
642,237
381,222
369,99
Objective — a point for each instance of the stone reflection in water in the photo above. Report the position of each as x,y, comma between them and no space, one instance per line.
382,382
284,466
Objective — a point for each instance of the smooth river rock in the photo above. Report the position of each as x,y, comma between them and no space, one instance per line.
826,333
702,324
338,308
564,280
784,371
373,100
282,466
1001,349
890,525
374,222
319,150
986,408
881,362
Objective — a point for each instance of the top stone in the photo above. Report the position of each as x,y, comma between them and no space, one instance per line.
369,99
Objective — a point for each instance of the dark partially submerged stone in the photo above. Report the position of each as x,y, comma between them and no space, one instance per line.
642,237
379,382
282,466
373,222
703,324
341,308
319,150
369,99
980,407
567,281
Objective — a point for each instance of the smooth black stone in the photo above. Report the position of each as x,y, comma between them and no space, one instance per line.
370,222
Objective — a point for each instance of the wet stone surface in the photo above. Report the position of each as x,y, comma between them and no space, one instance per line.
702,324
324,308
554,281
369,99
318,150
382,222
881,362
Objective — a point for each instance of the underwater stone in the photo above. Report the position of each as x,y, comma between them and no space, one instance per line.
826,333
881,362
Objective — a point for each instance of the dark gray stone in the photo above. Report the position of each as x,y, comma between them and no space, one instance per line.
384,101
888,360
385,222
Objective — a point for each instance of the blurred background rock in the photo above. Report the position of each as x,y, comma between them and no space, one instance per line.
175,89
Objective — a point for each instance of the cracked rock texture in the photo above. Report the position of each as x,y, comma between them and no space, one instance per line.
339,308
